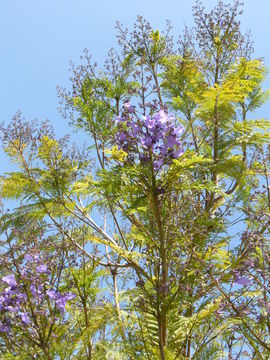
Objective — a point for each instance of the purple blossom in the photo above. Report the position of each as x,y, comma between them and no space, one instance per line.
25,318
122,136
61,302
135,129
172,140
11,308
178,131
150,124
158,164
163,149
4,328
10,280
21,297
242,281
129,107
28,257
119,119
52,294
146,121
36,291
163,117
70,296
177,153
11,291
156,132
147,141
14,299
42,268
4,300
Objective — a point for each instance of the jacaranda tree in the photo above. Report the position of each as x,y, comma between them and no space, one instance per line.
152,240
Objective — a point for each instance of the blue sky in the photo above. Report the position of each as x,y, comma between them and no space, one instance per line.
39,38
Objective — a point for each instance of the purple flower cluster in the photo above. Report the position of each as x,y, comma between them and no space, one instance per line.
11,303
154,138
31,288
60,299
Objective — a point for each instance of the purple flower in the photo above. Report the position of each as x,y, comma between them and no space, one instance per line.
119,119
178,131
25,318
158,163
147,141
70,296
36,290
11,308
4,300
150,124
122,136
146,119
61,302
21,297
172,140
129,107
28,257
10,280
177,153
52,294
4,328
242,281
163,149
157,132
42,268
11,291
162,117
136,129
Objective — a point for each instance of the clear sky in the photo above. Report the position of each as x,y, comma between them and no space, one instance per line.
40,37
